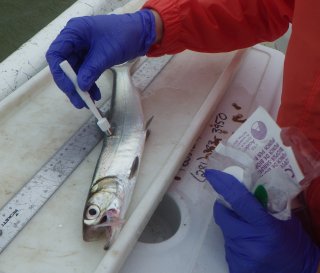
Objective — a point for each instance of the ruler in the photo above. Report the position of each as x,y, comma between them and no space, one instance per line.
19,210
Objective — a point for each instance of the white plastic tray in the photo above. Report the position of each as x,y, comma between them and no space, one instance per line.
37,119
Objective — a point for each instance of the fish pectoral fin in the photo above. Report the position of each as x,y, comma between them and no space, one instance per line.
134,167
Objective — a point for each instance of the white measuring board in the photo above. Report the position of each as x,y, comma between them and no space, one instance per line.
17,212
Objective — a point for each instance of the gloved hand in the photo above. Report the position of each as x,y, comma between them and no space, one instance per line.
93,44
255,241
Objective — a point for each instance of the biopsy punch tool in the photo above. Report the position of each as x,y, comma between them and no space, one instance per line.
103,123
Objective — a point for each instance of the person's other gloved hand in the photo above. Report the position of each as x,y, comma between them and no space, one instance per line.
93,44
255,241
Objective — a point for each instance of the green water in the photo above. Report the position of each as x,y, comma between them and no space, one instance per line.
21,19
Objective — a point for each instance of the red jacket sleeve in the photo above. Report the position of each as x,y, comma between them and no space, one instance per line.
219,25
300,101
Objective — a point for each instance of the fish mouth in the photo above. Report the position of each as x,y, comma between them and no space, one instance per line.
95,233
104,230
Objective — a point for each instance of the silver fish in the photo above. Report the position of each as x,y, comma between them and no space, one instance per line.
117,168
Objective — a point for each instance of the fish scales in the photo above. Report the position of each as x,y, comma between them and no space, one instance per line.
117,168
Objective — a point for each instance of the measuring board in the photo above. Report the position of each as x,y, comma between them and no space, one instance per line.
17,212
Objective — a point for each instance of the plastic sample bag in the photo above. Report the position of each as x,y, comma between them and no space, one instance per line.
257,156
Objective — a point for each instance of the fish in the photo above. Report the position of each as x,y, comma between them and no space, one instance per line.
117,168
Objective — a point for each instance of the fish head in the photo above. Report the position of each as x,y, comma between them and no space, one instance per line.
101,215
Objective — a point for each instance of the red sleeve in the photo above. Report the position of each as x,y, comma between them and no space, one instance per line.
219,25
300,101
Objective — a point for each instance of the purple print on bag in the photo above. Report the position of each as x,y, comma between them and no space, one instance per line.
259,130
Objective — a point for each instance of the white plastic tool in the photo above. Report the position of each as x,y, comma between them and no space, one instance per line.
235,171
103,123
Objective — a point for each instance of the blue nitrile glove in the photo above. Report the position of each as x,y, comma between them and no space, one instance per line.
93,44
255,241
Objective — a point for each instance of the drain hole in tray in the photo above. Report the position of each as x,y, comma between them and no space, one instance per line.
164,223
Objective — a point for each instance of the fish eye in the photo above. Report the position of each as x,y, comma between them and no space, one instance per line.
93,212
